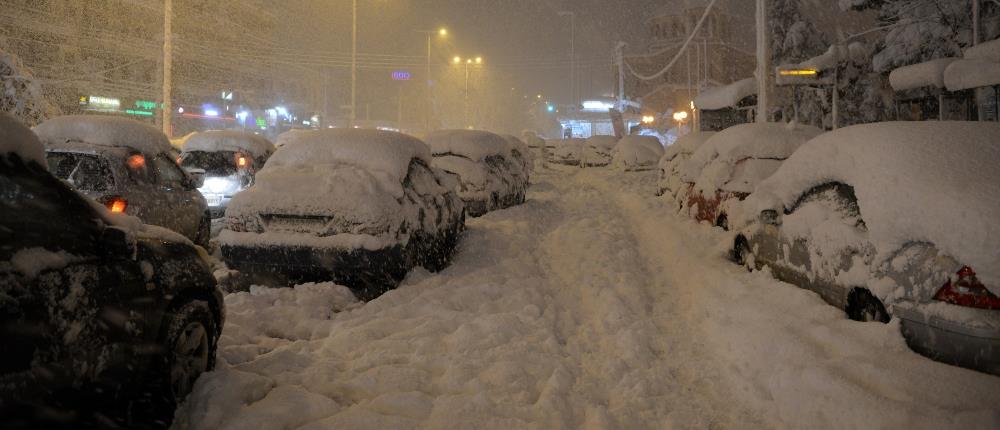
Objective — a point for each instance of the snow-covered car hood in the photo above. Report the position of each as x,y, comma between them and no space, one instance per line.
472,144
929,181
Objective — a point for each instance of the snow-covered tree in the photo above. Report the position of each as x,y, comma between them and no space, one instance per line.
20,94
795,38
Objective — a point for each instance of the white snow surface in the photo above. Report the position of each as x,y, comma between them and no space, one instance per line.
686,144
16,138
836,55
471,172
929,182
726,96
102,130
965,74
472,144
229,140
591,306
286,137
637,153
926,74
597,150
986,51
569,150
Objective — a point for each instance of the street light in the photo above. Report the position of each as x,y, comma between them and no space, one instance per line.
456,60
468,62
442,32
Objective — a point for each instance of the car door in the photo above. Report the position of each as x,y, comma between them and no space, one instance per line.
822,239
183,204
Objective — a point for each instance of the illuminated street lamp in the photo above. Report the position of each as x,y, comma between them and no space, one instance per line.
648,119
442,32
468,62
681,116
456,60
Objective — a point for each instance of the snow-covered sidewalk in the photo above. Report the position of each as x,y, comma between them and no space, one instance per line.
591,306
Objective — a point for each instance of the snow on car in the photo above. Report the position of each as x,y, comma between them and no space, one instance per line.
359,207
567,151
486,175
227,161
127,166
676,155
892,220
110,319
522,154
747,154
597,151
637,153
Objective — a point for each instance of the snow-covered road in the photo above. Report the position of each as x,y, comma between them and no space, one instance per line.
591,306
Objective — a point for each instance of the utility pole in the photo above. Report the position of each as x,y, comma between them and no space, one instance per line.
168,53
763,62
572,55
354,63
621,75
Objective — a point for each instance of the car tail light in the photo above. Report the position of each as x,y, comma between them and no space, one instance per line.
136,161
964,289
116,204
241,161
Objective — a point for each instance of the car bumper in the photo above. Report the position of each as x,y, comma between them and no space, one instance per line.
280,265
950,341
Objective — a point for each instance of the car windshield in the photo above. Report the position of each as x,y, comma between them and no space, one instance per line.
87,172
220,163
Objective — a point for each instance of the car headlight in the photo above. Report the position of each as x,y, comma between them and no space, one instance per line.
226,185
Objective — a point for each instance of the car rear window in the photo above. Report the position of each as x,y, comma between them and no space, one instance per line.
221,163
87,172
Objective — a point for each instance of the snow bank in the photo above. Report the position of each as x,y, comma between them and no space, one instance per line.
472,144
986,51
915,181
965,74
229,140
15,138
569,150
637,153
727,96
926,74
104,131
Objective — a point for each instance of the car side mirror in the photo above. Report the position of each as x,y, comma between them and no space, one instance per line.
114,242
197,177
770,217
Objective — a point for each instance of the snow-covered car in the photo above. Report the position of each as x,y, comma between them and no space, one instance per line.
103,319
227,161
597,151
521,153
674,156
567,151
891,220
358,207
637,153
688,171
483,169
127,166
747,154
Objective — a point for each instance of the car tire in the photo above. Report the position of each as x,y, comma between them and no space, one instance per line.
742,254
865,307
204,231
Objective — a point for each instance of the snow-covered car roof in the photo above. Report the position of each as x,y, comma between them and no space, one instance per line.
762,140
230,140
387,152
286,137
929,181
472,144
16,138
107,131
686,144
635,151
602,142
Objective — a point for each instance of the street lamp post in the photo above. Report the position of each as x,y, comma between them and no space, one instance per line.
443,33
468,62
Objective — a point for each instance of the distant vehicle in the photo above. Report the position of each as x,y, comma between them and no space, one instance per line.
747,154
127,166
676,155
891,220
637,153
358,207
597,151
568,152
228,161
485,172
103,319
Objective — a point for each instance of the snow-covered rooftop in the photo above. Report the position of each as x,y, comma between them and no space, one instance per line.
835,55
16,138
966,74
915,182
726,96
926,74
472,144
383,151
986,51
103,131
229,140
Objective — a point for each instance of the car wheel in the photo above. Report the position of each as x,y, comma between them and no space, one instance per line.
204,231
865,307
722,222
741,254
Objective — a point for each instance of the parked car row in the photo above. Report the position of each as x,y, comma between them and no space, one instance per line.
881,220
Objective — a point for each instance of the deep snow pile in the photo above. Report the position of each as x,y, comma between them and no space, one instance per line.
229,140
102,130
15,138
915,182
472,144
591,306
635,153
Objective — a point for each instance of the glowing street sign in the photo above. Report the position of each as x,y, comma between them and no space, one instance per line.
145,104
401,76
798,72
803,76
138,112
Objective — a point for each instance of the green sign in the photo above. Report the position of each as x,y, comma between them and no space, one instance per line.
261,122
138,112
145,105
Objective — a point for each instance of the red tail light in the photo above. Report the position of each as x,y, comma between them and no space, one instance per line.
116,204
966,290
241,161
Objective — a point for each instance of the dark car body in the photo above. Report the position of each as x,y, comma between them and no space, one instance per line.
85,307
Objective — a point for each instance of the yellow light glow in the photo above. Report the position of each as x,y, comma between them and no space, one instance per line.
680,116
799,72
456,60
443,32
469,61
692,105
479,60
648,119
539,96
